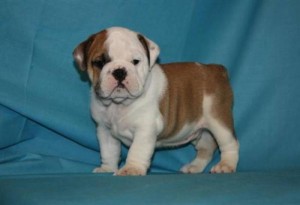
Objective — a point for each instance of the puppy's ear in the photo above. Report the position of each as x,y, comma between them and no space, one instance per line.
80,53
152,50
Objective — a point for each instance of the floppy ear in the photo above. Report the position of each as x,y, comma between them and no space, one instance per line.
151,48
80,53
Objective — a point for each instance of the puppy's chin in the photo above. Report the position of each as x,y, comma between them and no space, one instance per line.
118,95
119,100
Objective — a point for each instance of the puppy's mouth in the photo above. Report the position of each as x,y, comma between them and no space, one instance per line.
119,92
120,86
120,89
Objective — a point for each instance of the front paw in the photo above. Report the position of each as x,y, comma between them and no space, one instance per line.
103,169
191,169
130,170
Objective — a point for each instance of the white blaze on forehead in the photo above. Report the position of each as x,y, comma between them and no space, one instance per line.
123,44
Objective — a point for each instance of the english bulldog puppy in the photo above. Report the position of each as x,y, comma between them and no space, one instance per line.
144,105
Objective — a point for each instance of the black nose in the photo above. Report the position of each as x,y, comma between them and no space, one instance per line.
119,74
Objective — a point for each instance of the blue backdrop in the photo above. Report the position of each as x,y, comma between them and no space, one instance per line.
45,124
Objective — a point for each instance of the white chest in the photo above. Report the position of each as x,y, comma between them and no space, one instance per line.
120,124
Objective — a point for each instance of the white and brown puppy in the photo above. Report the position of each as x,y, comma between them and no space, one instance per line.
146,105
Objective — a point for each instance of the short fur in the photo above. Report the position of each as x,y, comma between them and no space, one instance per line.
155,105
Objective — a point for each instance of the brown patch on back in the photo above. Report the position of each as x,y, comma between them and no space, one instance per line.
182,101
217,84
187,84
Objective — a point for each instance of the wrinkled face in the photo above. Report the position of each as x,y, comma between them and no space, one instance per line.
118,62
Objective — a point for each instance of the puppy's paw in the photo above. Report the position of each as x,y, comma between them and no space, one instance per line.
130,170
103,169
191,169
223,167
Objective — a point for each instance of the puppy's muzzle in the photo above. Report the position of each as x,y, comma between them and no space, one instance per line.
119,74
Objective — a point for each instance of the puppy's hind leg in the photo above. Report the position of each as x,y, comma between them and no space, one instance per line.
228,146
205,147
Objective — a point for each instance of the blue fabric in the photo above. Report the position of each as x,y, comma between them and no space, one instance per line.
242,188
45,124
48,144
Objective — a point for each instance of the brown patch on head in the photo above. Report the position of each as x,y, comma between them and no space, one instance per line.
89,53
182,102
144,42
81,51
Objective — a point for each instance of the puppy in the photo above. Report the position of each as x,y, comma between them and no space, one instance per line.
145,105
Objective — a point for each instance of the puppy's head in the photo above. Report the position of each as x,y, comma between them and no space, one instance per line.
118,62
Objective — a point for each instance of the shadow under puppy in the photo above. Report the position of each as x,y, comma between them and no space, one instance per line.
145,105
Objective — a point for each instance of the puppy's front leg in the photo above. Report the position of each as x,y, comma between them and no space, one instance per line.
110,149
140,154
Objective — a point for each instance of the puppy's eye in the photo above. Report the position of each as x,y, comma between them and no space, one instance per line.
101,61
135,61
98,63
